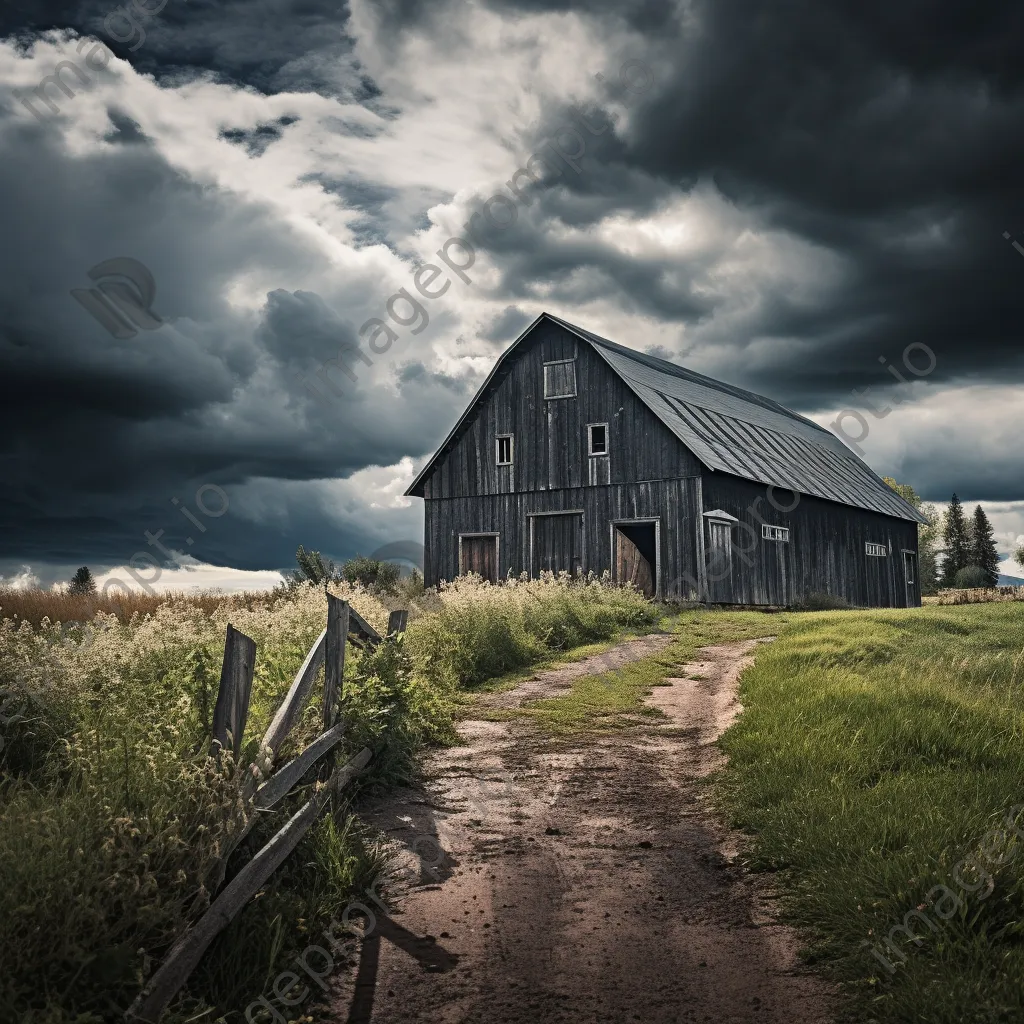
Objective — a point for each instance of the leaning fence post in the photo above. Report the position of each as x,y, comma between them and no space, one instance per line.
397,621
235,689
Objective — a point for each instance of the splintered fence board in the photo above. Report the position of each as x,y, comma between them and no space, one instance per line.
339,617
232,707
361,629
397,621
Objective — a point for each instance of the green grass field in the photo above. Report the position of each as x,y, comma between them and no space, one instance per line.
878,758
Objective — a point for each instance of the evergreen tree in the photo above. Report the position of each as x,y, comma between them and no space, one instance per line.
983,547
928,544
957,540
927,536
82,582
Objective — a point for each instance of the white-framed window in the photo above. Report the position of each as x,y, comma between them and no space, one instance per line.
597,438
560,379
876,550
503,449
774,532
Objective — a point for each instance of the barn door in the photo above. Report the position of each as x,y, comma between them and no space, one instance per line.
776,566
479,553
910,575
557,543
635,556
719,562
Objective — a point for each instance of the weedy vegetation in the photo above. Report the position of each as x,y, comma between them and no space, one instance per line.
878,757
113,817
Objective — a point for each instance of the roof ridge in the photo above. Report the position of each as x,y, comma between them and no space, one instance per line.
685,372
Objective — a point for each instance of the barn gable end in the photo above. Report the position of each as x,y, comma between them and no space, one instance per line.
549,436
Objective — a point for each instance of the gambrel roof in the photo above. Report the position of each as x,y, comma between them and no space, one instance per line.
729,430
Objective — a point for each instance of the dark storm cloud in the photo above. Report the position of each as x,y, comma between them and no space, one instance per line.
269,45
256,140
537,263
123,130
889,137
643,15
366,196
100,433
506,326
388,212
417,372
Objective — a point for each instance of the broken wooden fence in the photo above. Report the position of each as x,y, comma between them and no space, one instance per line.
260,793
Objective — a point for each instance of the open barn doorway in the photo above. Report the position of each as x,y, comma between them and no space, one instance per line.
635,547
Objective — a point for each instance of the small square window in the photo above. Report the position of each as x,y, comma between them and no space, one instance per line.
597,439
780,533
876,550
560,379
503,447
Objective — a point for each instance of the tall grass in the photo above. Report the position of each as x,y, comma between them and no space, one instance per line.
113,819
477,630
876,752
33,605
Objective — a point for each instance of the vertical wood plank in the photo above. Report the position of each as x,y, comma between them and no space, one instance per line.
334,655
397,621
232,707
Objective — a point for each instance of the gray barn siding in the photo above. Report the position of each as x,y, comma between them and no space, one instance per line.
673,501
825,553
648,473
551,435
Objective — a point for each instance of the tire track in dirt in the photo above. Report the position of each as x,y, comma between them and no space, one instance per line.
586,880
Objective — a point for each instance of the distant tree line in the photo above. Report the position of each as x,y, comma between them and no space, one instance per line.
971,559
967,545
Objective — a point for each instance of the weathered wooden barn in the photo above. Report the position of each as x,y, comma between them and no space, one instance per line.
580,454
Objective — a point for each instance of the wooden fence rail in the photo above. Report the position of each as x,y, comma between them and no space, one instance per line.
260,793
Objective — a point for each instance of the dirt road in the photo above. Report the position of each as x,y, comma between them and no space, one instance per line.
583,880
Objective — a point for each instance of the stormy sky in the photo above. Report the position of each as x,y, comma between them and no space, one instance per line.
794,197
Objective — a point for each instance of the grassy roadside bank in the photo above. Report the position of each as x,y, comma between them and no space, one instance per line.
876,761
112,816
